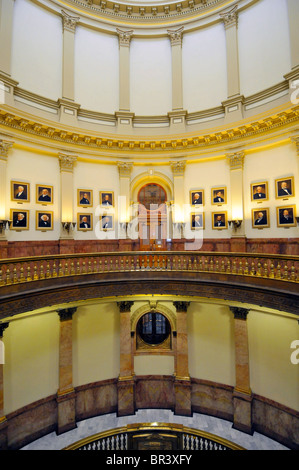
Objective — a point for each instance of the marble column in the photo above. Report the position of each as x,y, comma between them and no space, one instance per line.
7,84
236,163
67,163
177,115
126,383
68,107
5,147
234,103
178,171
3,422
242,396
182,384
66,394
124,116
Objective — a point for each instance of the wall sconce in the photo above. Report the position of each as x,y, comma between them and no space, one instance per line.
67,226
236,223
4,224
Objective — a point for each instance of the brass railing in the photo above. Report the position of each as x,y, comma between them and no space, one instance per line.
153,436
22,270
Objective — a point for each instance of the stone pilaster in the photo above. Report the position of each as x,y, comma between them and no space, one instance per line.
178,171
124,116
67,163
242,397
124,170
126,382
3,422
236,163
182,384
5,147
234,103
177,115
66,394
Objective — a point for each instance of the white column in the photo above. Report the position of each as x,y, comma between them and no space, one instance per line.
177,115
7,84
124,116
67,191
236,162
124,192
178,171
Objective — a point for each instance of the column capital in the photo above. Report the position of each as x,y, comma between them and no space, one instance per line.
69,22
3,327
66,313
178,168
236,160
124,168
125,306
295,140
67,162
176,36
124,37
239,313
181,306
5,146
230,18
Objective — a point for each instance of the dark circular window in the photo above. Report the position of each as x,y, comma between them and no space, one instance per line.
153,328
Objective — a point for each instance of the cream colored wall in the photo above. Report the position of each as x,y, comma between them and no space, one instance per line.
31,360
264,46
37,49
96,352
211,343
272,373
154,365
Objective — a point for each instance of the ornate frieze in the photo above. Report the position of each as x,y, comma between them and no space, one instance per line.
69,22
124,37
67,162
176,36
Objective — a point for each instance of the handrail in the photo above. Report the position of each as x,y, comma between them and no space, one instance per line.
122,438
29,269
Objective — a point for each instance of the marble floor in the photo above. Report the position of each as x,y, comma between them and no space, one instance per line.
206,423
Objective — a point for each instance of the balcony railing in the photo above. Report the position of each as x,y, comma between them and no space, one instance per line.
154,436
23,270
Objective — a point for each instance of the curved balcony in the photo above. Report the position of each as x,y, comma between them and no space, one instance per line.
257,279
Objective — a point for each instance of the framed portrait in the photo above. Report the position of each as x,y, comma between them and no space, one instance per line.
106,222
219,196
259,192
107,198
20,219
284,188
286,216
260,218
197,197
44,220
44,194
197,220
20,191
219,220
84,222
84,198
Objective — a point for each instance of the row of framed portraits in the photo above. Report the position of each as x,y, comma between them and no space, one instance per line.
286,217
284,189
44,194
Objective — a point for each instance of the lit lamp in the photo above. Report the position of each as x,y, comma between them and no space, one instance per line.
237,217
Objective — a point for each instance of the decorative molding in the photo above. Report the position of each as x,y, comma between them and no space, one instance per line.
124,36
178,168
69,22
176,36
5,146
3,327
239,313
125,306
230,18
66,313
236,160
67,162
295,140
181,306
124,168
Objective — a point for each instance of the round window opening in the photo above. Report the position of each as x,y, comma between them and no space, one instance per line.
153,328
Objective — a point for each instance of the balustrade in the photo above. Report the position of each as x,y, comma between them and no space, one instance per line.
22,270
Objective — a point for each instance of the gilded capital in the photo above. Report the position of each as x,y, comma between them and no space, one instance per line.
67,162
124,37
178,168
176,36
124,168
230,18
236,160
69,22
5,146
296,141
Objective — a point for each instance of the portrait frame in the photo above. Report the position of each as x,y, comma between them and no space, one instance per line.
254,218
192,218
110,197
223,214
201,193
39,189
290,186
80,216
254,191
38,216
111,222
279,213
25,197
81,197
215,191
13,218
